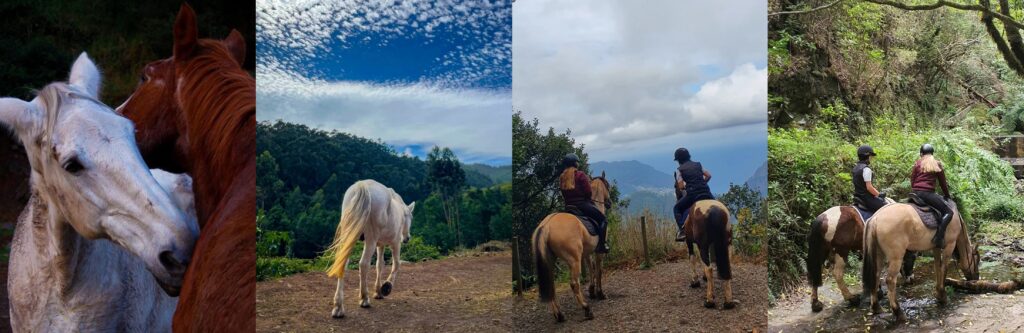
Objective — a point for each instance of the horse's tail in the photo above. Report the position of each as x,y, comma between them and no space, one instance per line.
355,211
717,222
816,251
869,269
544,261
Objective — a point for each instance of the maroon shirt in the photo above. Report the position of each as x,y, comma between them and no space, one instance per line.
925,181
581,194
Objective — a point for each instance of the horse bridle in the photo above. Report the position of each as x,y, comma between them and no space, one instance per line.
606,204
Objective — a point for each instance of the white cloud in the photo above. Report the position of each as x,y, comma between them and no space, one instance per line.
475,123
627,74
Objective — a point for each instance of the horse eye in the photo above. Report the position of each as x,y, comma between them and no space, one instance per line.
142,78
73,166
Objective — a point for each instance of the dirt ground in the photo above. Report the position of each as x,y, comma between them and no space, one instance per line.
462,294
654,300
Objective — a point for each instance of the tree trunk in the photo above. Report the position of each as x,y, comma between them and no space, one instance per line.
984,286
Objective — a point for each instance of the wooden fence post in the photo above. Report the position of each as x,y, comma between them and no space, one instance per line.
517,276
643,237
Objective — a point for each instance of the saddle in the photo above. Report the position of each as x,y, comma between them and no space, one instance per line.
929,215
588,223
858,205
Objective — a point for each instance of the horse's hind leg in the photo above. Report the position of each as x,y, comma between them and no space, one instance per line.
709,299
574,282
940,275
377,269
693,267
364,269
891,278
599,275
339,298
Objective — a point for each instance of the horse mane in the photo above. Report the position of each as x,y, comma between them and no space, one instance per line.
53,96
226,94
603,180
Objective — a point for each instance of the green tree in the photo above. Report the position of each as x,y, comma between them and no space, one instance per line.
447,179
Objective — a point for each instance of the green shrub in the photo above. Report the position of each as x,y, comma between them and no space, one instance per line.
276,267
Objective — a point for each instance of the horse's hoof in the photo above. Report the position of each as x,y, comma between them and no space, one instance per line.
365,304
378,296
705,278
695,284
601,296
898,314
587,314
337,313
559,317
853,300
729,305
385,289
709,304
817,306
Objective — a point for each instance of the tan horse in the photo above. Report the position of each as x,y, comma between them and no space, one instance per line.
897,228
562,235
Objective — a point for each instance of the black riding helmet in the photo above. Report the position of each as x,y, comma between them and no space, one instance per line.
864,151
570,159
927,149
682,155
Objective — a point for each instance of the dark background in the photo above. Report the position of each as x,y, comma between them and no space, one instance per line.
39,39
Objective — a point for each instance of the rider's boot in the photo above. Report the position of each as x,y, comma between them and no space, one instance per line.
940,234
680,235
602,242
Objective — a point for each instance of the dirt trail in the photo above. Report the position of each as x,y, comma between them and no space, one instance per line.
463,294
654,300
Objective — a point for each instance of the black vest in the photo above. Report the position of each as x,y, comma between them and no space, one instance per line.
860,189
693,174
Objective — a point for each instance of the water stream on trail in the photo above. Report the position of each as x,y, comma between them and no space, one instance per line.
923,313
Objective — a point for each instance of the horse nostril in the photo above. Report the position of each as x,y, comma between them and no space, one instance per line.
173,264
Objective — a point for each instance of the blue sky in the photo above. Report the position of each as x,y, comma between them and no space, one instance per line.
636,80
414,73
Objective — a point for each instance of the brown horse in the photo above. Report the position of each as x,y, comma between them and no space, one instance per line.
196,112
708,226
562,235
897,228
834,234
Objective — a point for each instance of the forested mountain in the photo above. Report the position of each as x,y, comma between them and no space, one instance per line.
633,175
304,172
496,174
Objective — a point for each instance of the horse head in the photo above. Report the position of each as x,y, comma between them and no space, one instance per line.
155,106
88,170
967,254
601,193
407,222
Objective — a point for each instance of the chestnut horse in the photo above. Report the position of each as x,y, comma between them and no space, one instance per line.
707,226
196,112
562,235
898,228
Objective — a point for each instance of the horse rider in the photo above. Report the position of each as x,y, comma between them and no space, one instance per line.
863,188
696,179
575,187
926,172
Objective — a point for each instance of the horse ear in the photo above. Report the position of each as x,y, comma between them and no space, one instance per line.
412,206
186,33
17,115
85,75
602,173
236,45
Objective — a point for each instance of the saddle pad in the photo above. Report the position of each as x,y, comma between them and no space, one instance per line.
930,216
591,225
864,215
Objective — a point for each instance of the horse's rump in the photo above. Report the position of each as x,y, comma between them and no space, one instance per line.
708,227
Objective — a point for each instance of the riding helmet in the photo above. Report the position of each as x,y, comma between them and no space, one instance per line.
682,155
864,151
927,149
570,159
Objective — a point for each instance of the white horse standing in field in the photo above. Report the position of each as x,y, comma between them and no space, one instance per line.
99,237
380,215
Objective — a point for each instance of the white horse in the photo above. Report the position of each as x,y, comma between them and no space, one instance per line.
380,215
99,237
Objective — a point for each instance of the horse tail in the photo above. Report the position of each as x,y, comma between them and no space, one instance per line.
355,211
544,261
869,269
717,222
816,251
